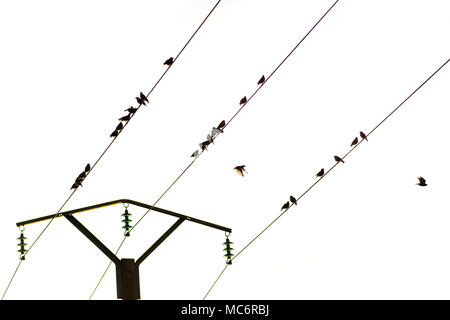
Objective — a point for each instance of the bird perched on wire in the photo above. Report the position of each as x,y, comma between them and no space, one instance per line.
87,168
125,118
338,159
119,126
142,99
293,200
261,80
421,182
285,206
363,135
204,144
195,154
354,142
240,170
243,100
169,62
115,133
320,173
131,110
219,129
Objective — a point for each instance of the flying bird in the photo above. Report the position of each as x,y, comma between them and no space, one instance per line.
87,168
243,100
115,133
285,206
195,154
293,200
261,81
169,61
421,182
240,170
363,135
131,110
320,173
125,118
338,159
354,142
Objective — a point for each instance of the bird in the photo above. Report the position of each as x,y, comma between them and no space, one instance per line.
169,61
140,101
215,131
87,168
240,170
195,154
261,81
119,126
74,186
131,110
204,144
115,133
293,200
421,182
210,138
82,175
338,159
285,206
363,135
354,142
243,100
320,173
125,118
143,97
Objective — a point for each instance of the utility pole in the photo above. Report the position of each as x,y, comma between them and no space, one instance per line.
127,270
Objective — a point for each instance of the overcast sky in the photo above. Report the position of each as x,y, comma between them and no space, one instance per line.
366,231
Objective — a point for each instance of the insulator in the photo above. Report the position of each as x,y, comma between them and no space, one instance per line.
22,245
228,250
126,221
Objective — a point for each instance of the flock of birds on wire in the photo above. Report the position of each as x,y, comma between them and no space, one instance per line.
143,100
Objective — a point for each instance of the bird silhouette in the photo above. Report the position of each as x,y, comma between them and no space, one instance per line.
338,159
363,135
240,170
204,144
169,61
261,81
285,206
354,142
87,168
421,182
293,200
74,186
115,133
215,131
195,154
143,97
119,126
125,118
320,173
131,110
243,100
140,101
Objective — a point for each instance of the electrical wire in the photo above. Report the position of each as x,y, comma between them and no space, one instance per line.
226,124
320,179
112,141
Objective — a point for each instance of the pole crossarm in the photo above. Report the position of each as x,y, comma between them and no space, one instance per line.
133,202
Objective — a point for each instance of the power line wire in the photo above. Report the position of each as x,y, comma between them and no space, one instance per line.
316,182
226,124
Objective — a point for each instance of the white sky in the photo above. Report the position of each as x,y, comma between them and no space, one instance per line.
366,231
